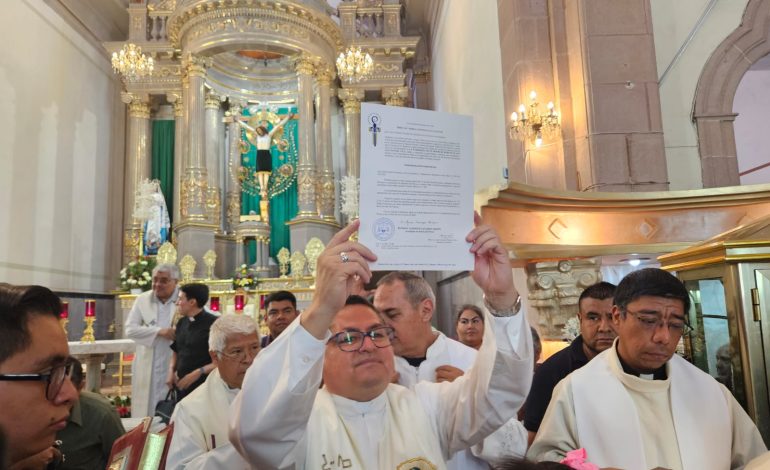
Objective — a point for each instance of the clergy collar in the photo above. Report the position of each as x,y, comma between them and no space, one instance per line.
657,374
195,317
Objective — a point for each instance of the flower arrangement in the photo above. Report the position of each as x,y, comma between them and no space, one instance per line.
137,274
244,278
122,405
571,329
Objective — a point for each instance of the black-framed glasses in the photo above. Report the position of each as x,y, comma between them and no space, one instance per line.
53,379
652,322
239,354
352,340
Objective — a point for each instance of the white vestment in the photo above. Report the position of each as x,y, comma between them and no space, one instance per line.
200,429
446,351
688,421
153,353
278,417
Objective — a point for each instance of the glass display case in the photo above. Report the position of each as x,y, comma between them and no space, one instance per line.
728,279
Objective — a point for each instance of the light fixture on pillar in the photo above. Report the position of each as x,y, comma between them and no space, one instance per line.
131,63
354,65
530,123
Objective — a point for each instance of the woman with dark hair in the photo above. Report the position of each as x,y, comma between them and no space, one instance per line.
470,326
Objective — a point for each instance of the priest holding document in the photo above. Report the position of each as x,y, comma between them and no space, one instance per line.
359,418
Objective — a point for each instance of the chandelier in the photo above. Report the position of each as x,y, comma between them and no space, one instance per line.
131,63
530,123
353,65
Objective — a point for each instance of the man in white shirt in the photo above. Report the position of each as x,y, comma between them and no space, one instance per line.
200,419
281,419
407,303
637,405
149,325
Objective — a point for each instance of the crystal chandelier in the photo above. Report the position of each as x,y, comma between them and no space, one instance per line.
353,65
531,123
131,63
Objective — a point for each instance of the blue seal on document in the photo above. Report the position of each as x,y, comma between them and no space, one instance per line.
384,229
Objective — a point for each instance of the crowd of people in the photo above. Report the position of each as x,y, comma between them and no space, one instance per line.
367,383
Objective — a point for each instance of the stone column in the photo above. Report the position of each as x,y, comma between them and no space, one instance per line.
138,168
306,169
325,189
179,145
213,135
351,106
395,96
195,232
234,164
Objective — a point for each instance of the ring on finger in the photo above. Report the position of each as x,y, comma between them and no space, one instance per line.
344,257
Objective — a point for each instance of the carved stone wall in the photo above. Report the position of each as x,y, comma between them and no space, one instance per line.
554,289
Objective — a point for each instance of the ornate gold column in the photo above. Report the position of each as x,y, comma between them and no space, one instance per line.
306,170
213,136
351,106
195,232
325,189
179,144
138,168
234,164
194,175
395,96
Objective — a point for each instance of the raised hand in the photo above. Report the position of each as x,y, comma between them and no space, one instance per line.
492,268
340,267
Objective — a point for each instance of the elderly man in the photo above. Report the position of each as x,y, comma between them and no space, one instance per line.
281,309
35,390
190,360
149,324
596,334
407,303
639,406
200,420
359,419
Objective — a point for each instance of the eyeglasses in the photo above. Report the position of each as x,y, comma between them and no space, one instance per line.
652,322
54,379
239,354
353,340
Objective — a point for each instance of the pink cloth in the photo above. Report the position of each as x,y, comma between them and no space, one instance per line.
576,459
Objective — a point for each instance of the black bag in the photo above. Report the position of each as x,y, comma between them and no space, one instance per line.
165,408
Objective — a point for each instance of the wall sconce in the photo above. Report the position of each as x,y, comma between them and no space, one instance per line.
530,123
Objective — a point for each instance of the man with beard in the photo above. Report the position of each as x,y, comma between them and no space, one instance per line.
596,335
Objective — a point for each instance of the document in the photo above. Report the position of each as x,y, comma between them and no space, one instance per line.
416,197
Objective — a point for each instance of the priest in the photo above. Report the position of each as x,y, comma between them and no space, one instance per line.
359,419
200,419
637,405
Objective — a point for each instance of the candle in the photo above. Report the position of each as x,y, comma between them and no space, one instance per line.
214,304
90,308
65,309
238,302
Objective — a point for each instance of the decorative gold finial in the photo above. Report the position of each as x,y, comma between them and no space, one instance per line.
166,254
187,266
283,257
313,250
210,259
298,264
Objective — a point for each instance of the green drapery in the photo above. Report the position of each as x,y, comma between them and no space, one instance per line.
283,206
163,159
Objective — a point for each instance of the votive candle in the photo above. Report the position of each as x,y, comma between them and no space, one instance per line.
65,309
90,308
214,304
239,302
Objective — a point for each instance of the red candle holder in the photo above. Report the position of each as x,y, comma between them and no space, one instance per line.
90,308
214,304
65,310
239,302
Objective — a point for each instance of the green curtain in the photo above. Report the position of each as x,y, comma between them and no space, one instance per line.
283,203
163,160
